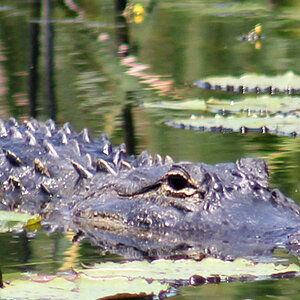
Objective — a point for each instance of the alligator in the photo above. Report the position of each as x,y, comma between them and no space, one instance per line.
144,206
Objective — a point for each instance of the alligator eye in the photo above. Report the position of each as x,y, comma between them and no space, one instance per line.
177,182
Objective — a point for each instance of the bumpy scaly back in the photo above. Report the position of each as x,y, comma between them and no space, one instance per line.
43,161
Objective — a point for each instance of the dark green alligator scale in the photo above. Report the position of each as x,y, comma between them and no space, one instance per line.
145,206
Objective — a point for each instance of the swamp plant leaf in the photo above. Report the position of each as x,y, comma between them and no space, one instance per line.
190,104
183,269
251,81
264,103
136,278
79,288
278,124
10,221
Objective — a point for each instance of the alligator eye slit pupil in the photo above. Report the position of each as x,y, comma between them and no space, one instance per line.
177,182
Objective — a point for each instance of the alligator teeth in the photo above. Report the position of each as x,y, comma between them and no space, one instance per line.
83,172
12,157
105,166
40,167
50,149
30,138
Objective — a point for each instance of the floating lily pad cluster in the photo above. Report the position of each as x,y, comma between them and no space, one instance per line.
139,278
288,83
273,106
13,221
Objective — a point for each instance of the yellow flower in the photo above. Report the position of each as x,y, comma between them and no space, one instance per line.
258,29
138,9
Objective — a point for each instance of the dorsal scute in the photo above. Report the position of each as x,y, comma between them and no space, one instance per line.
31,125
144,159
15,133
50,149
81,170
63,138
12,122
30,138
3,131
106,147
119,155
106,166
40,167
67,128
45,130
51,125
13,158
85,136
75,146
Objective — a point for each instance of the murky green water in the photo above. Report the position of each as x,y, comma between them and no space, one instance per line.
179,42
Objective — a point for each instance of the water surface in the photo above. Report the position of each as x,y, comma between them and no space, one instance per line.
179,42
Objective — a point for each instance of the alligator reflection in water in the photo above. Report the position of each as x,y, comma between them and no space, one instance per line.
144,206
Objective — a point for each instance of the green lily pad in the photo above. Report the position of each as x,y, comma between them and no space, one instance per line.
190,104
286,83
264,103
79,288
183,269
11,221
279,124
136,278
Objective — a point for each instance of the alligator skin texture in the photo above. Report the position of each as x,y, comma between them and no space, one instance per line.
144,206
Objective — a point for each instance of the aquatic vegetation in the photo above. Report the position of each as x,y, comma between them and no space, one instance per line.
278,124
262,104
140,278
288,83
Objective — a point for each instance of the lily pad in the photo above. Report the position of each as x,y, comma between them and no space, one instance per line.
82,287
138,278
191,104
258,83
183,269
264,103
279,124
11,221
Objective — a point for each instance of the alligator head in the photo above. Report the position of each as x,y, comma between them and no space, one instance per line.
167,209
144,206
